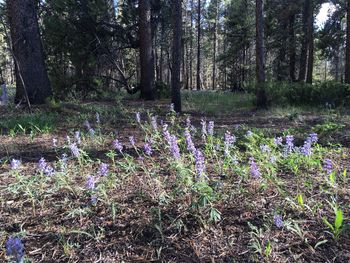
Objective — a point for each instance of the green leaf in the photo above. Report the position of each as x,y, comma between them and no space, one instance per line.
338,219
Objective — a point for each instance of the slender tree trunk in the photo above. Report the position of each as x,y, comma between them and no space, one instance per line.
176,55
32,82
215,43
191,47
260,56
304,44
310,64
199,46
146,54
292,52
347,60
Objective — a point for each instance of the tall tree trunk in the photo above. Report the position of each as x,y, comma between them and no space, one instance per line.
176,55
146,54
304,44
32,82
347,62
310,30
260,56
191,47
215,43
292,52
199,46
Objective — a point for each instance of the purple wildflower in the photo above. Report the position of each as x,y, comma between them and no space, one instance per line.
200,164
249,134
15,249
188,122
117,145
278,141
63,162
289,147
138,117
278,220
228,142
314,137
75,150
190,145
49,171
254,169
77,137
148,149
42,164
90,183
132,141
166,133
103,169
307,148
265,148
211,128
15,164
174,147
328,166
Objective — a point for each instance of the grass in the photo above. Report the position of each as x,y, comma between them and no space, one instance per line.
216,103
160,207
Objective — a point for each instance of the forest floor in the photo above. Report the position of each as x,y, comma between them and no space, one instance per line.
156,207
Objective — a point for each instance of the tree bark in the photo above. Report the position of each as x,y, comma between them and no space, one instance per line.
260,56
304,44
347,62
199,46
32,82
176,55
310,63
292,52
146,53
215,43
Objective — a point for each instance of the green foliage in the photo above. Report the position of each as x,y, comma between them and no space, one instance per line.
328,94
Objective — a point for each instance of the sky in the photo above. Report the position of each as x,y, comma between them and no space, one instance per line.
323,15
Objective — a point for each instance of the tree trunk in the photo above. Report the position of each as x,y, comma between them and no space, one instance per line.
176,55
191,48
304,44
199,46
310,38
32,82
347,62
292,54
215,43
146,54
260,56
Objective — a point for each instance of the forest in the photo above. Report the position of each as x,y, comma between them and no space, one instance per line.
174,131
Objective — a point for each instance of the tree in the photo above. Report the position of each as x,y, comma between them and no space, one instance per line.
199,45
176,55
146,52
305,41
347,62
260,57
32,82
310,39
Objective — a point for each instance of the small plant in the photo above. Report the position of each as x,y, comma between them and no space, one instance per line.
337,226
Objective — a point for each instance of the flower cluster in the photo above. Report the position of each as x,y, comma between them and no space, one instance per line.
278,220
103,169
204,128
15,164
90,183
190,145
175,150
211,128
77,137
154,123
228,142
200,164
289,147
278,141
328,166
74,149
138,117
148,149
254,169
15,249
117,145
